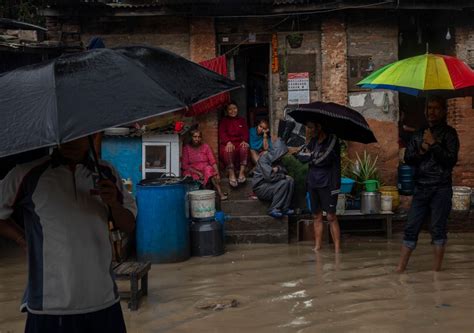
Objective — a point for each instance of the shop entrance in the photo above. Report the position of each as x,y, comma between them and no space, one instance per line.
249,65
417,33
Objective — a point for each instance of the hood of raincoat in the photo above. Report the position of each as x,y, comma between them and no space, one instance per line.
277,151
264,171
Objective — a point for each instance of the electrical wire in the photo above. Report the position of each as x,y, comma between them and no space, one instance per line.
309,12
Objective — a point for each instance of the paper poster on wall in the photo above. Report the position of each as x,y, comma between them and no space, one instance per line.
298,88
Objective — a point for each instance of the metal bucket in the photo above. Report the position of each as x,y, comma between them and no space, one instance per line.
370,202
461,198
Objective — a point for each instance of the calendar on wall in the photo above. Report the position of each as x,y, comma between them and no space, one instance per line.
298,88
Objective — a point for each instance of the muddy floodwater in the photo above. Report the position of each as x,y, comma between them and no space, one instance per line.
288,288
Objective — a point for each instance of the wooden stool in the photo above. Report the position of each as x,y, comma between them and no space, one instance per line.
133,271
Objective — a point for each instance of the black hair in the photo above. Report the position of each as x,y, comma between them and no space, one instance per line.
439,99
230,103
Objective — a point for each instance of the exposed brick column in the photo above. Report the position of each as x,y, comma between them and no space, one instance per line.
334,60
461,117
203,47
463,42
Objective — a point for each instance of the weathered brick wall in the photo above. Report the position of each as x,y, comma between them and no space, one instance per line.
202,46
461,113
66,30
378,40
334,60
311,46
386,149
464,36
380,108
171,33
461,117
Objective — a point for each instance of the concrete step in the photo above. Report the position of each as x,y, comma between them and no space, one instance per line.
241,192
256,229
245,207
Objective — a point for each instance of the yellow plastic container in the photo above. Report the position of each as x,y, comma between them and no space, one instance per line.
393,192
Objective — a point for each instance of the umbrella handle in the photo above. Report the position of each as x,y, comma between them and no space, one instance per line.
94,157
101,177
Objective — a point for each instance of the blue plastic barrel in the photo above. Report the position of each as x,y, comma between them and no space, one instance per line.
162,227
406,183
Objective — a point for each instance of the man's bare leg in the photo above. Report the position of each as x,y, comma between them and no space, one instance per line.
438,257
318,230
335,231
404,257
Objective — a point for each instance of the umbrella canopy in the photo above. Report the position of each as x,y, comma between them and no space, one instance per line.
84,93
337,119
421,74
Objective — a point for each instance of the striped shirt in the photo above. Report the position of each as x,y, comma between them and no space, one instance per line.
66,227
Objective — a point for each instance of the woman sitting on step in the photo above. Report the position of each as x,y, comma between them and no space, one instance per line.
198,162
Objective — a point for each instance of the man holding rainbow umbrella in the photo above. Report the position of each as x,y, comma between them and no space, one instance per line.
433,151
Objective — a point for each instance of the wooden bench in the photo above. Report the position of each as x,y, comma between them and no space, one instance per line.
133,272
351,215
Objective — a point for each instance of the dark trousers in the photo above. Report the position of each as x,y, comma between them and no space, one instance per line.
109,320
434,200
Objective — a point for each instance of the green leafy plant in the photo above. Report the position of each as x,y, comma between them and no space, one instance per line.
365,168
298,171
295,39
346,163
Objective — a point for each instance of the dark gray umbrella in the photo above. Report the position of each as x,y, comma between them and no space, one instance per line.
84,93
337,119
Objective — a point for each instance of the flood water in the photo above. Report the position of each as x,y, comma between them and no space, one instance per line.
288,288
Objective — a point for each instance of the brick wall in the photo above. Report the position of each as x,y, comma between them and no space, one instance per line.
66,30
171,33
334,60
380,42
464,45
202,46
310,47
461,117
461,113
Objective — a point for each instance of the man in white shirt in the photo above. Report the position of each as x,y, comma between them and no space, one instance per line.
66,212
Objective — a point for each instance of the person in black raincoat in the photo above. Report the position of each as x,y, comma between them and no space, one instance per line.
271,182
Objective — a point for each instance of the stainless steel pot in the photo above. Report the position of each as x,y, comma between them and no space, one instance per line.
370,202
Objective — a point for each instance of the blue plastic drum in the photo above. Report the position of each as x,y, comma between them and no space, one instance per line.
162,227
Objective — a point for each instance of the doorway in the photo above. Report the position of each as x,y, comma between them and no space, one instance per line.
249,65
418,34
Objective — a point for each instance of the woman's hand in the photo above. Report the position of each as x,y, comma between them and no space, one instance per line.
244,144
229,147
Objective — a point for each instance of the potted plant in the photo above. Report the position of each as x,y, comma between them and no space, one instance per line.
364,169
295,39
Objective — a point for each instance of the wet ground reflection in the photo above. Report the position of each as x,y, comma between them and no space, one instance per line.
288,288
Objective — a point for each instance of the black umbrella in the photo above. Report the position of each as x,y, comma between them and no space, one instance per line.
337,119
80,94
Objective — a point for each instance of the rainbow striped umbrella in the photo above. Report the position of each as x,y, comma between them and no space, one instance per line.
422,74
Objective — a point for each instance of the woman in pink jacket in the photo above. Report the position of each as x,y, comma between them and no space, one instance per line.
198,162
233,144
